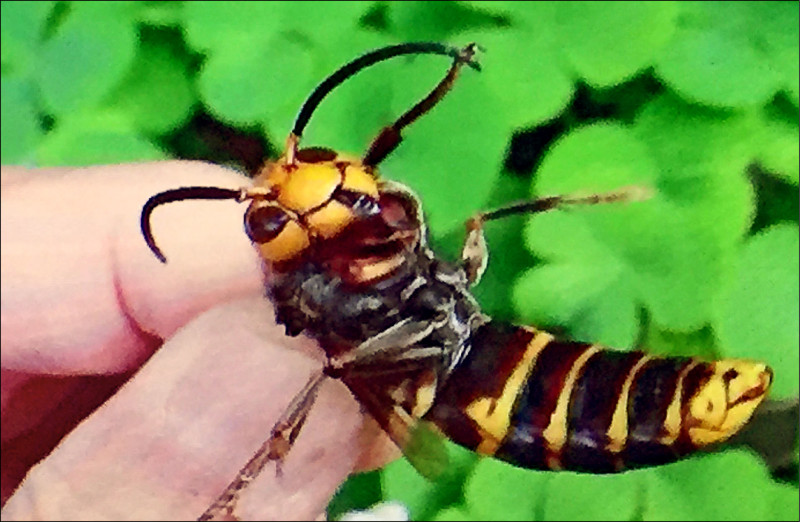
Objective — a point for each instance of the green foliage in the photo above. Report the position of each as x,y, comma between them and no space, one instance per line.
695,102
607,43
157,92
591,250
738,58
84,59
423,497
715,493
490,485
763,297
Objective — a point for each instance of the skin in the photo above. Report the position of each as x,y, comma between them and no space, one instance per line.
141,388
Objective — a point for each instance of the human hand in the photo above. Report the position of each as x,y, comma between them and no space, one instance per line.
85,305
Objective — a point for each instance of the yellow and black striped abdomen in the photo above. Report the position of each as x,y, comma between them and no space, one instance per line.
541,403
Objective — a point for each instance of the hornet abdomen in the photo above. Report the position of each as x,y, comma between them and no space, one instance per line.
537,402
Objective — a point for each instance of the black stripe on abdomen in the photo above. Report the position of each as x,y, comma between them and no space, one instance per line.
541,403
497,351
525,444
639,390
592,405
651,395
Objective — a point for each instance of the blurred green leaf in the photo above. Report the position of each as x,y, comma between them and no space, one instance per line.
519,69
21,28
454,513
573,496
608,42
19,124
783,504
352,115
236,25
319,21
663,341
88,55
779,149
523,63
596,158
246,89
494,7
723,59
244,25
402,482
701,66
702,157
361,491
759,311
593,300
425,497
96,138
498,491
161,14
413,20
593,249
732,485
157,91
774,27
452,156
680,135
682,259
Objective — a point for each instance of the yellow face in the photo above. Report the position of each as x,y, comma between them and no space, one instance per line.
315,197
726,401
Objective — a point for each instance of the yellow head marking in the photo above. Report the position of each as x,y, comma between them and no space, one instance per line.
315,197
726,401
288,243
330,219
308,186
303,182
359,180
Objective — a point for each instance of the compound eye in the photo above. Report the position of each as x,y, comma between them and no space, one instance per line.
264,223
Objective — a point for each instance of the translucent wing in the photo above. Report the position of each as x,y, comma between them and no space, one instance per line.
397,402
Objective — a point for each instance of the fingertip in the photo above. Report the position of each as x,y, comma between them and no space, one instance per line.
73,247
206,258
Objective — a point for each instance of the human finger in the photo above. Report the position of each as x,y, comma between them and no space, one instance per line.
175,435
82,293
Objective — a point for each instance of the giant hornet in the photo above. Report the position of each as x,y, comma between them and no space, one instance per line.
351,268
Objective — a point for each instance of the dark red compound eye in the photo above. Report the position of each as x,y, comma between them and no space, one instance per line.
263,224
